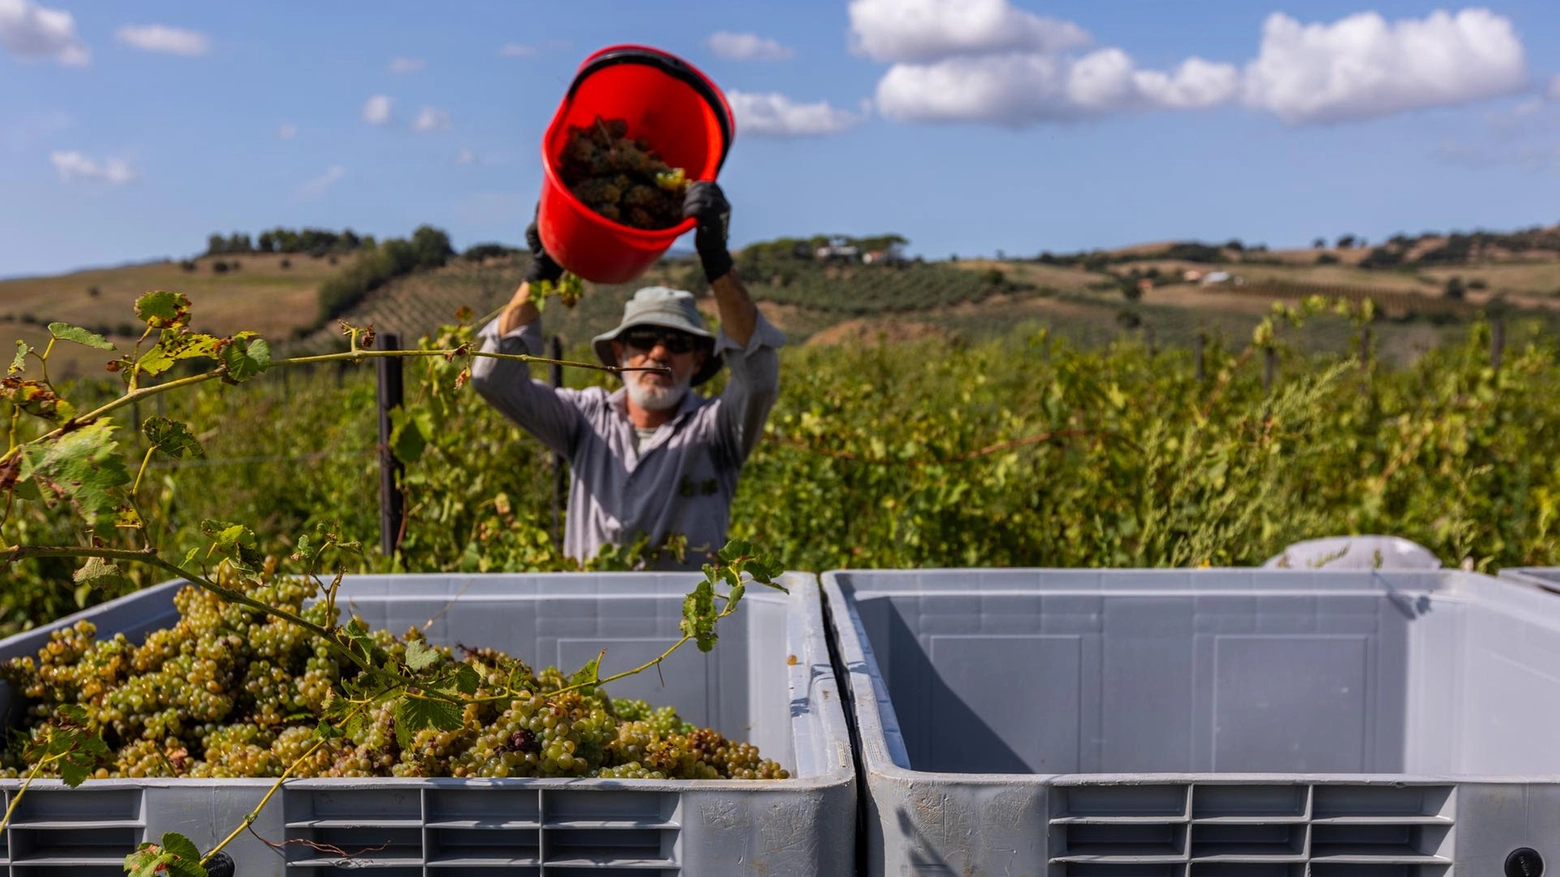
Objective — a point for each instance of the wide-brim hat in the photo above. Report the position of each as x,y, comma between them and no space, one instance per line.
669,309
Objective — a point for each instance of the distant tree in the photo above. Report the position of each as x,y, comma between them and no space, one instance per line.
216,245
285,263
432,247
1346,241
1326,259
1478,283
187,264
1319,244
266,242
219,266
1455,288
93,292
479,252
1234,244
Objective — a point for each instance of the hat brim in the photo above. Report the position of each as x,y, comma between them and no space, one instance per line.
712,360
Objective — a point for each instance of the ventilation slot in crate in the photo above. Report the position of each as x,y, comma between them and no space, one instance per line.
1247,824
1377,869
483,828
1381,829
1120,830
1237,842
75,871
355,869
636,831
1248,869
371,828
64,828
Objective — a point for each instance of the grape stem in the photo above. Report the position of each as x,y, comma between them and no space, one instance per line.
251,816
138,393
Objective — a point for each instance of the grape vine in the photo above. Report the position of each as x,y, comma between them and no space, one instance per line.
318,695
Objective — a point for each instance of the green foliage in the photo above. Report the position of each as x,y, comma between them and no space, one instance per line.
174,856
428,248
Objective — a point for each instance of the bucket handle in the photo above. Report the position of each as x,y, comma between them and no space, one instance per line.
673,66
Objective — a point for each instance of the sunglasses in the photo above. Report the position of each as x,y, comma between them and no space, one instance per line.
646,340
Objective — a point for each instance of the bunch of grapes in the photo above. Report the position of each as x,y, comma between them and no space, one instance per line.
621,178
227,691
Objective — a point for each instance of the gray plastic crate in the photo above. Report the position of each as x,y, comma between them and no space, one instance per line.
1546,577
1179,722
768,681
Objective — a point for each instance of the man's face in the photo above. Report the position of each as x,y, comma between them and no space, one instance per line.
645,346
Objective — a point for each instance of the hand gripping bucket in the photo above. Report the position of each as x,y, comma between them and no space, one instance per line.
665,100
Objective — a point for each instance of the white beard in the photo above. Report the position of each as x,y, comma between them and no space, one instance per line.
654,396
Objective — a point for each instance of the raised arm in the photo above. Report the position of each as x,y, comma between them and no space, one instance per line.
747,341
543,411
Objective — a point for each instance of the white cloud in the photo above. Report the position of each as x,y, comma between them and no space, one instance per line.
74,167
407,65
516,50
920,31
432,119
28,30
1025,88
1554,89
465,156
287,131
376,110
775,115
747,47
1363,67
160,38
317,186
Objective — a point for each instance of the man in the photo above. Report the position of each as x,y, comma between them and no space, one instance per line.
652,459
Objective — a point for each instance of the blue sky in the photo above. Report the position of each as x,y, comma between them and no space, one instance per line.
131,131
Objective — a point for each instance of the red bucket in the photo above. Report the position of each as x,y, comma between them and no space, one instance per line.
665,100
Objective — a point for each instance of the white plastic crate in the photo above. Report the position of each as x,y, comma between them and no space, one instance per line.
768,681
1191,722
1546,577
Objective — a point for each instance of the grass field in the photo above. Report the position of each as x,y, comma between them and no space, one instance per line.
259,296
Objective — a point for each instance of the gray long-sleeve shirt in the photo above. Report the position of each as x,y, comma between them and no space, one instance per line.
681,480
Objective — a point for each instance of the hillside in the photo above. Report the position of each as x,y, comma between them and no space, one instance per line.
259,295
1423,286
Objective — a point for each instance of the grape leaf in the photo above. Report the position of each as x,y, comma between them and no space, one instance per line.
234,540
100,573
419,656
412,714
85,467
126,517
67,332
244,356
172,437
36,398
174,346
187,856
175,856
19,364
163,310
589,675
698,619
466,679
410,433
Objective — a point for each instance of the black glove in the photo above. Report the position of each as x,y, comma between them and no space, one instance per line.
706,203
542,266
